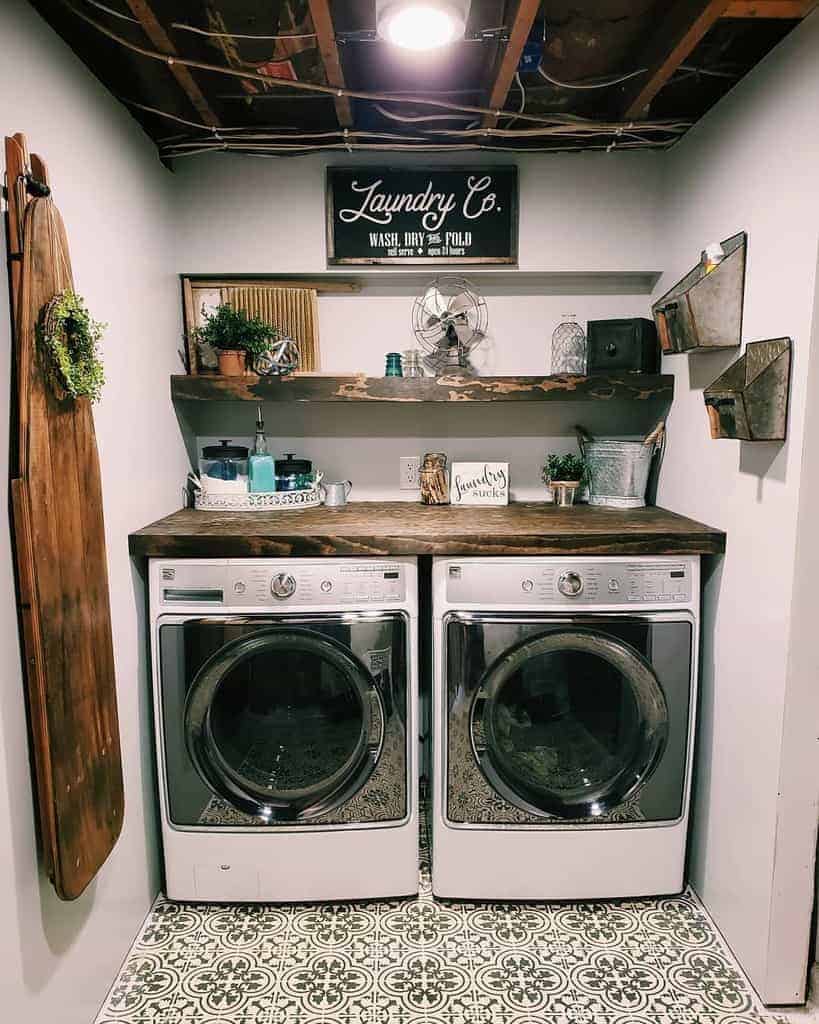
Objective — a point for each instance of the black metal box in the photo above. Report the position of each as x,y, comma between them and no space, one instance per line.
626,346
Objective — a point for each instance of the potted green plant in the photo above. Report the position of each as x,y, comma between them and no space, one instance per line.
234,334
563,474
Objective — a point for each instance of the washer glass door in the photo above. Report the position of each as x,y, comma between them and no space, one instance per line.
283,722
570,722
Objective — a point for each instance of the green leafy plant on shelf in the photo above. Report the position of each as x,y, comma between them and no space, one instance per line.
234,335
69,339
563,475
566,467
227,328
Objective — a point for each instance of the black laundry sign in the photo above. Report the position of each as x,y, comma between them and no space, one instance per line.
422,215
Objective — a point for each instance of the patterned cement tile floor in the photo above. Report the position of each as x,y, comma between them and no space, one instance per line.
425,961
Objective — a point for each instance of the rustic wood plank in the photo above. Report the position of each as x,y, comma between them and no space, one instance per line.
518,34
409,528
143,11
682,27
360,388
326,39
793,9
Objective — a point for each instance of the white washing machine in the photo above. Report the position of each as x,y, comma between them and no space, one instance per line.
564,697
285,695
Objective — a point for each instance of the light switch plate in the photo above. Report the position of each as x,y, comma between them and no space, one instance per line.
409,466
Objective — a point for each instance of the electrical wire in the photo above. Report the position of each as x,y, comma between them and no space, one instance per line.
331,91
416,119
522,107
579,129
597,84
112,12
290,150
238,35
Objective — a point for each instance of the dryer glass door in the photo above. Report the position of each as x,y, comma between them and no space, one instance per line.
283,722
570,722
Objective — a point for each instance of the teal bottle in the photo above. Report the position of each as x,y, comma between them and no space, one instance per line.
261,468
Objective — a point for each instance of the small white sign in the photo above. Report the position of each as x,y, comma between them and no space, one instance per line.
479,483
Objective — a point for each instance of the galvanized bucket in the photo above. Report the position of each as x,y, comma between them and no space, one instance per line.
618,471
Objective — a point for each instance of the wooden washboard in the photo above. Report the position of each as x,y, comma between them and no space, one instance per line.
293,310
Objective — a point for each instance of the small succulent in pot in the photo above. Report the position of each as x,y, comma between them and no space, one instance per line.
563,474
234,334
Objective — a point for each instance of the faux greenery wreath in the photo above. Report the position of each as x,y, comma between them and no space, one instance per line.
69,339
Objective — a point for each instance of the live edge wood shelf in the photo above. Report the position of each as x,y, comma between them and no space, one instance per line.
407,528
360,388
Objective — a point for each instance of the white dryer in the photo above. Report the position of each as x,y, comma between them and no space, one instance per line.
285,695
564,697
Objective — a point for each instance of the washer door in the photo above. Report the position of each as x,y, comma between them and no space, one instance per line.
570,723
284,723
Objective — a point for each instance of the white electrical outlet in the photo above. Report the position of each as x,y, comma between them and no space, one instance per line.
409,472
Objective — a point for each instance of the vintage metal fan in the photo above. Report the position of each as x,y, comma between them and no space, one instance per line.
449,320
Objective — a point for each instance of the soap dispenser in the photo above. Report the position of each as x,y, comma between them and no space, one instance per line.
260,464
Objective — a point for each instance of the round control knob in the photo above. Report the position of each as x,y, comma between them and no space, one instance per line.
326,586
527,586
570,584
283,585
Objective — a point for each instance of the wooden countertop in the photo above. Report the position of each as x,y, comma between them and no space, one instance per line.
409,528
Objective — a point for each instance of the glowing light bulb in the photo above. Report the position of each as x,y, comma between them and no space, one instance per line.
421,26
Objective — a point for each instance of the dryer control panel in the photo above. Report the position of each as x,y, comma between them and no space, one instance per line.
283,584
659,582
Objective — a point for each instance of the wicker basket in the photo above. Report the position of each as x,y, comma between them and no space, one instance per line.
618,471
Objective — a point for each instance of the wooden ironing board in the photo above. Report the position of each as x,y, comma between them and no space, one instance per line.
59,540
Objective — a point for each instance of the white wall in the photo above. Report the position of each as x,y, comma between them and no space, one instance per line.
579,213
752,165
58,959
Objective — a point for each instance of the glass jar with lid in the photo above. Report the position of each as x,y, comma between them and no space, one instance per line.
223,468
293,474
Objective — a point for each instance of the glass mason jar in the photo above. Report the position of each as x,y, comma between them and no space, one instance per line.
569,346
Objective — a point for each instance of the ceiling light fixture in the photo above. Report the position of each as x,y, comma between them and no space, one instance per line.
421,24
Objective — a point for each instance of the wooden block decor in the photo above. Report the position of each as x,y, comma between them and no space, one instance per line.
703,311
750,400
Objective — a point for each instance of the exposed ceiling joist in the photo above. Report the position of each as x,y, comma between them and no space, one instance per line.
518,34
142,10
681,29
769,9
326,38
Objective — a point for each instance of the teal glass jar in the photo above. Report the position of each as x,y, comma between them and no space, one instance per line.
394,367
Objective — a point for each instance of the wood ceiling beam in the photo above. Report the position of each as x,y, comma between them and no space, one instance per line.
328,48
143,12
683,26
518,34
769,9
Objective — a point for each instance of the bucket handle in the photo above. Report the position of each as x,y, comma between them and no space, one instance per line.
656,437
583,438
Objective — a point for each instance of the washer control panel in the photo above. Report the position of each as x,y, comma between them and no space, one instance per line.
331,584
664,581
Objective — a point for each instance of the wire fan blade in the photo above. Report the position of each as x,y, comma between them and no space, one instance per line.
459,303
434,304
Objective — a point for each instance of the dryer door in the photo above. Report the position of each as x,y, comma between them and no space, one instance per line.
284,722
571,722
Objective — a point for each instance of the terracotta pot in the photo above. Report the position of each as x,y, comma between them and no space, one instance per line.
232,362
